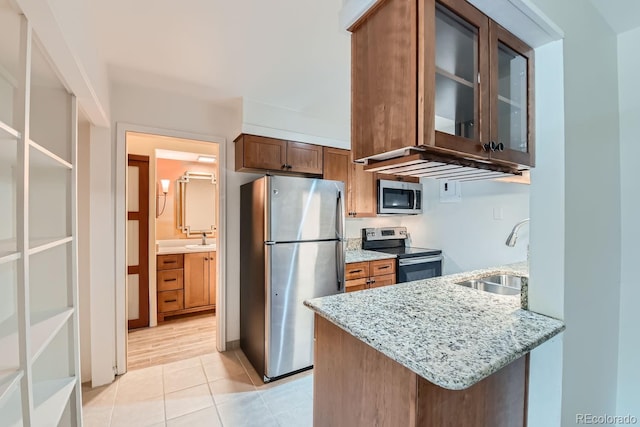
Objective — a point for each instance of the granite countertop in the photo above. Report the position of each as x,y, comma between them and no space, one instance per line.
361,255
450,335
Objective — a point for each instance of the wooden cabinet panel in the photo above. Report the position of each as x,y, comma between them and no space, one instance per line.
260,152
304,158
355,285
196,273
212,278
169,262
384,57
168,280
382,267
362,194
356,270
370,274
380,281
337,167
399,178
170,301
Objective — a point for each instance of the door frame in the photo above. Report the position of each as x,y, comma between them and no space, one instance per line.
120,238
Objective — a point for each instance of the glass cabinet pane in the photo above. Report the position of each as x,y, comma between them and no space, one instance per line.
512,99
456,71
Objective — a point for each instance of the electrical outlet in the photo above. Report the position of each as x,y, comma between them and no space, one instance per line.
450,191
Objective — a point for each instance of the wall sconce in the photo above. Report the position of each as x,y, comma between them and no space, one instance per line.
164,184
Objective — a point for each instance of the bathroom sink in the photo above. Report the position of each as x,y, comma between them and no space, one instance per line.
503,284
202,247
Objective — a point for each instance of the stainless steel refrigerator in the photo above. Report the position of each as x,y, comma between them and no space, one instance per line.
291,249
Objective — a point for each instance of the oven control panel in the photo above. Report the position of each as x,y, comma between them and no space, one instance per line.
384,233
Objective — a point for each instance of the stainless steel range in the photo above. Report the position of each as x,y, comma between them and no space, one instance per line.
412,263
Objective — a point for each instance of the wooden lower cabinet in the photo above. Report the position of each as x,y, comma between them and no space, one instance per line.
370,274
356,385
188,289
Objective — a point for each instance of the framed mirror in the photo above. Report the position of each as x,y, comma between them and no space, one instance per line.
197,203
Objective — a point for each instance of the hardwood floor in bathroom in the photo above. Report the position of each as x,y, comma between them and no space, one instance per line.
171,341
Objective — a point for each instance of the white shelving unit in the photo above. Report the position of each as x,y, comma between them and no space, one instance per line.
39,338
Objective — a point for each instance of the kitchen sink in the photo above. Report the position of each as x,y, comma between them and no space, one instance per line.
502,284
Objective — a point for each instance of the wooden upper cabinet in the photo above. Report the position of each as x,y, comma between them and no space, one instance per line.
383,79
512,81
304,158
257,153
362,192
359,186
442,76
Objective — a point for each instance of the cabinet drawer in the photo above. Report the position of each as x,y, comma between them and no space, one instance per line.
169,262
169,280
356,270
170,301
379,281
383,267
355,285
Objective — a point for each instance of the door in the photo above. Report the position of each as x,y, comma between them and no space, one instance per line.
303,209
299,271
461,76
511,97
196,279
138,241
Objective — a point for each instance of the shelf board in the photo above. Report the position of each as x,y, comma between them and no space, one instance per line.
8,130
50,399
9,381
44,327
8,256
455,78
51,155
40,245
509,101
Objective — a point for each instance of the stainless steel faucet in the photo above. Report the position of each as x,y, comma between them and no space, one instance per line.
511,240
204,239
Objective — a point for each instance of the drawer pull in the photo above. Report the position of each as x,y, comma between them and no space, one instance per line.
171,300
356,271
386,266
169,262
170,280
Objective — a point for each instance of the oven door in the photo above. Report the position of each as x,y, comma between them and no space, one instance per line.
418,268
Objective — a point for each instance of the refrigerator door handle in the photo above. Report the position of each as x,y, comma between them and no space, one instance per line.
339,217
340,265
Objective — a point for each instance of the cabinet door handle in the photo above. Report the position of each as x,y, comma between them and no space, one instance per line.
171,300
170,280
289,166
500,146
283,166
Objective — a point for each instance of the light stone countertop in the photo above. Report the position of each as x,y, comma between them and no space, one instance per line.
450,335
361,255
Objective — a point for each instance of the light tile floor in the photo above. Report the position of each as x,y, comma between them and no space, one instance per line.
217,389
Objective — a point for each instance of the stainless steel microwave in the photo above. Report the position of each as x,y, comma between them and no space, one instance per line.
395,197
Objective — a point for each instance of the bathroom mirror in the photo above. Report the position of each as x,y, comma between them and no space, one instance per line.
197,203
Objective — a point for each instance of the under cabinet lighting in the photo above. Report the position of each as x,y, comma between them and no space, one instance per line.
206,159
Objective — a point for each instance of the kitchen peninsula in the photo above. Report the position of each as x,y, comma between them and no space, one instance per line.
425,353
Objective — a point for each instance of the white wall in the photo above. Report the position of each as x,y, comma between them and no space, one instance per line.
629,347
546,264
467,232
84,249
592,210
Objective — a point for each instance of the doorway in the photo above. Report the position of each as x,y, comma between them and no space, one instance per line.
173,162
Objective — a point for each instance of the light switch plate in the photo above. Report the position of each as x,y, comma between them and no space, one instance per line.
450,191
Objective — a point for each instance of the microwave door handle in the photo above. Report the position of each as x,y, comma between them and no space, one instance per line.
415,199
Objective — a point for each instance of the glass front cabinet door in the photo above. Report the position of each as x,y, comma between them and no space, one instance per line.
511,116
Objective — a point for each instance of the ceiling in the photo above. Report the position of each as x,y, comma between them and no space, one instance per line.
289,53
621,15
